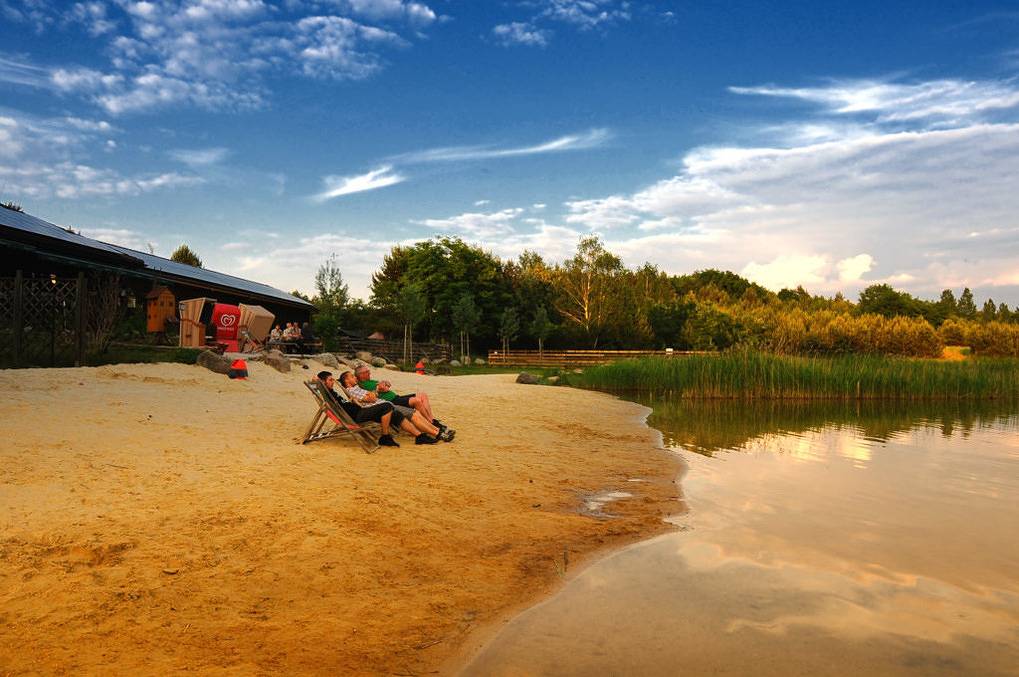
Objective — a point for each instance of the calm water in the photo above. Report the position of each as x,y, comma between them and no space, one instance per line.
816,540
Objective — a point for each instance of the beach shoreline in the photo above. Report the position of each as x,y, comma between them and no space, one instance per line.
173,521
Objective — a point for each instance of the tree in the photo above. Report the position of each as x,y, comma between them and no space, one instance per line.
184,254
668,321
330,300
1004,314
989,312
881,299
509,327
541,327
967,307
413,306
585,286
465,317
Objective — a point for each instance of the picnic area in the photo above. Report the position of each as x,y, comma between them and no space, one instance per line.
162,518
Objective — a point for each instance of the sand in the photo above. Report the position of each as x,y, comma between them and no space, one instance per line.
157,518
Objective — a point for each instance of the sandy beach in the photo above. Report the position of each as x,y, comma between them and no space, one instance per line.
158,518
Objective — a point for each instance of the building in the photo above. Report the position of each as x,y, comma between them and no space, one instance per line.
46,269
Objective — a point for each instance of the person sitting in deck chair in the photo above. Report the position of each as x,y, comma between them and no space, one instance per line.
383,413
425,432
416,401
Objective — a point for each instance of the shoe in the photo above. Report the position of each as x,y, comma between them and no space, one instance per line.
388,441
447,435
425,439
439,424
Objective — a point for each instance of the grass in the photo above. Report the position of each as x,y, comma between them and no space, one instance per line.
754,375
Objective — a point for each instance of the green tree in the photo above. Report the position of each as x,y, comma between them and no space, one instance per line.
585,285
184,254
967,307
413,306
989,312
668,321
1004,314
465,317
509,327
882,299
330,301
541,327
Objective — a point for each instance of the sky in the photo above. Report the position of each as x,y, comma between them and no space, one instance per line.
833,145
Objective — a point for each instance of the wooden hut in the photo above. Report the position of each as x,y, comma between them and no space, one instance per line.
160,306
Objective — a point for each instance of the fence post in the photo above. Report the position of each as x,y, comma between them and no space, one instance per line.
19,317
79,354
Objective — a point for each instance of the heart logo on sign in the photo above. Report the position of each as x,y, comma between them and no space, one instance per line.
227,320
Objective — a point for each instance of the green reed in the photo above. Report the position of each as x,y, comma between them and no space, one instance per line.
756,375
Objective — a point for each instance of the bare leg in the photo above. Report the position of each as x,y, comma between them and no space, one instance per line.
421,402
424,424
384,422
409,428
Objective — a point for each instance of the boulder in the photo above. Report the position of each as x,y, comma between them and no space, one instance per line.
277,361
478,361
348,361
213,362
378,361
437,360
526,378
394,367
454,363
552,380
363,355
328,359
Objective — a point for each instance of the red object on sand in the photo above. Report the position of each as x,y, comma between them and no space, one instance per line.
419,368
238,370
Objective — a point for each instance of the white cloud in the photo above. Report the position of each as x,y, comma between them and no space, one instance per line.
802,210
336,186
477,224
199,157
217,54
570,142
481,203
853,268
124,237
520,33
586,14
951,100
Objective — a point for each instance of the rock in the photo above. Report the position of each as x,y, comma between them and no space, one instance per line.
213,362
348,361
363,355
454,363
526,378
394,367
552,380
578,371
378,361
478,361
438,360
328,359
277,361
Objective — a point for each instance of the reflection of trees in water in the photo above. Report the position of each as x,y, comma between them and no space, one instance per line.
712,425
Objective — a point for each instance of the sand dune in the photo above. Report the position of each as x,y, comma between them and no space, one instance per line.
161,517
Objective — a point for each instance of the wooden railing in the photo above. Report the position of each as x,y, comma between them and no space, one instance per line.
575,358
394,349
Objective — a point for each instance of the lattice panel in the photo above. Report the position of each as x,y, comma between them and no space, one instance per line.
6,302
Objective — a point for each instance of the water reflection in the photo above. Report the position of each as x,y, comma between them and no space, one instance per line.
870,538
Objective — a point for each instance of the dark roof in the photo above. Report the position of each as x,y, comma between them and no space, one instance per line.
43,234
169,268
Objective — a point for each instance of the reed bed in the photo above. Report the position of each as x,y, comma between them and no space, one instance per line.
757,375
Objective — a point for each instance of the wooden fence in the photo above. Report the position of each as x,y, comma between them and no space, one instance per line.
393,350
575,358
51,321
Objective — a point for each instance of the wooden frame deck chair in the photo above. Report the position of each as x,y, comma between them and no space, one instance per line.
366,434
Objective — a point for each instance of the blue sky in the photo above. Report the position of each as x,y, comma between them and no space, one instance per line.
832,145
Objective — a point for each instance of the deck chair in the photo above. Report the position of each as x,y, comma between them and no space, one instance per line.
366,434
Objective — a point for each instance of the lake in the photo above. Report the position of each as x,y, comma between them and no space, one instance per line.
872,538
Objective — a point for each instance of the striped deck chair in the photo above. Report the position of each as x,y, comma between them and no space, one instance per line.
329,412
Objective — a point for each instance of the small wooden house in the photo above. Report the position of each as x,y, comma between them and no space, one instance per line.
160,307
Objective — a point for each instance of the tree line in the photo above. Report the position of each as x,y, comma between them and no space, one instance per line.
447,290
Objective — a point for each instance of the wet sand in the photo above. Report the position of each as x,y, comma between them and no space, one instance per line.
158,518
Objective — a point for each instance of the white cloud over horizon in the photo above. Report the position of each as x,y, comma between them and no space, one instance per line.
337,186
